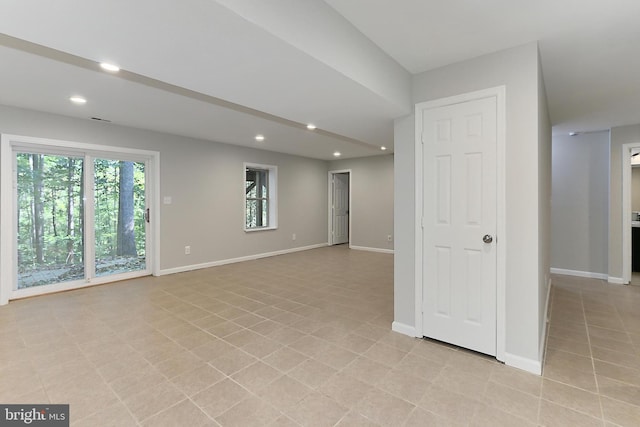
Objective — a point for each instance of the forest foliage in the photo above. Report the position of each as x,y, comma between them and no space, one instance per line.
51,211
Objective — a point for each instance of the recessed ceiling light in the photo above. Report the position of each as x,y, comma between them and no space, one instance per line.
109,67
573,133
311,126
259,137
383,148
337,154
78,100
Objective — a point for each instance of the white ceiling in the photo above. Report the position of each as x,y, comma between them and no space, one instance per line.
227,70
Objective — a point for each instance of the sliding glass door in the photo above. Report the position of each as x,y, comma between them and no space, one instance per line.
49,225
80,217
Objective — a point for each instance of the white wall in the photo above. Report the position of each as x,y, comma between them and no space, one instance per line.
619,136
544,209
580,200
205,181
371,200
518,70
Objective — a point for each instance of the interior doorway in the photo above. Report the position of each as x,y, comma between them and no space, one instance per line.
339,207
630,152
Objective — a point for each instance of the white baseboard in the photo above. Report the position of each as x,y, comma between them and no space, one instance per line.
365,248
403,329
577,273
240,259
529,365
616,280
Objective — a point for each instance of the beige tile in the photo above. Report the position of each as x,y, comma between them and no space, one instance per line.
232,361
252,411
310,345
560,359
114,416
620,413
421,418
196,380
219,397
615,357
255,377
179,364
336,357
353,419
385,354
406,386
617,372
460,382
517,379
285,359
312,373
572,397
184,413
384,408
153,400
619,390
490,416
284,393
284,421
473,364
570,376
452,406
355,343
512,401
367,370
568,345
285,335
345,389
317,410
552,415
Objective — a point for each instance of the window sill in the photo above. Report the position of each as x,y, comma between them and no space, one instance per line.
251,230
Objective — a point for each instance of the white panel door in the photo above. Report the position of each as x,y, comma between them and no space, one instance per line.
340,208
459,224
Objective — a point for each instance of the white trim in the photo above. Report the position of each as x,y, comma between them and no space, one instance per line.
11,143
365,248
239,259
76,284
626,211
499,93
330,204
529,365
587,274
616,281
403,329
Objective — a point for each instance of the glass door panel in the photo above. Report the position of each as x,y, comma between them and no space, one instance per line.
49,223
119,217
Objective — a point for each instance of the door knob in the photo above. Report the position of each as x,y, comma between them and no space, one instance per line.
487,238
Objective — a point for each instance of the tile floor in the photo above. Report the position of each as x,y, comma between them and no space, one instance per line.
304,339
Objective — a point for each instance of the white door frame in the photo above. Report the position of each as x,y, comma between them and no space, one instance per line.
7,199
500,94
626,213
330,204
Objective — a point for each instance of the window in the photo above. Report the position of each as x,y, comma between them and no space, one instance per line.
260,197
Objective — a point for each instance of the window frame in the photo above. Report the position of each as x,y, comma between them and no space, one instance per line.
271,199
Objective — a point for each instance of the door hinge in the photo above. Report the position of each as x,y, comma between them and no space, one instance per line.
146,215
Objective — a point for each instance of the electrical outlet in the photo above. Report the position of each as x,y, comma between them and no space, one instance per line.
187,250
293,237
388,237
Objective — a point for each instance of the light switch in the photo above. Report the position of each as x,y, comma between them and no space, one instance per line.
167,200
